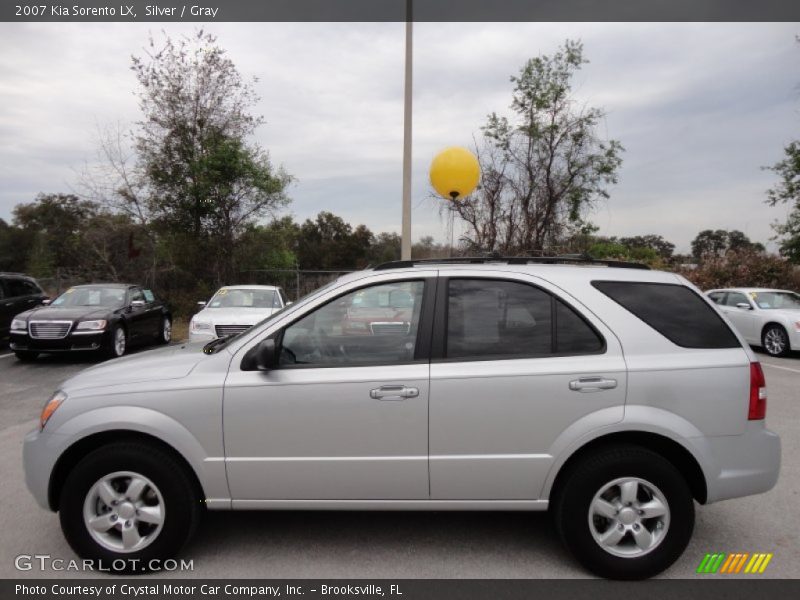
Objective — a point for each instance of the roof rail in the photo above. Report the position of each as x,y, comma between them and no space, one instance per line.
572,259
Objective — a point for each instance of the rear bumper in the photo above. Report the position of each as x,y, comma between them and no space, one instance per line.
741,465
74,342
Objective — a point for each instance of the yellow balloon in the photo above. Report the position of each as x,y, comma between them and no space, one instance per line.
455,172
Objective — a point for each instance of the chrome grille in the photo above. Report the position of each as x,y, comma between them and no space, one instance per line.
226,330
395,327
49,330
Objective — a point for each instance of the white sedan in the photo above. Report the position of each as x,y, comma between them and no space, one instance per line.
233,309
765,317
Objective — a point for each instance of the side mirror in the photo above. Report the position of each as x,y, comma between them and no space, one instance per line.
137,303
260,357
289,303
744,306
201,303
46,302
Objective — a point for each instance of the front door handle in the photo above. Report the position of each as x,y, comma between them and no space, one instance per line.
592,384
393,392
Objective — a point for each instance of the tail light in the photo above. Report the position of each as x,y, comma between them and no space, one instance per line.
758,393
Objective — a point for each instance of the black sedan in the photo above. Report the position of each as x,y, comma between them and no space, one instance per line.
106,318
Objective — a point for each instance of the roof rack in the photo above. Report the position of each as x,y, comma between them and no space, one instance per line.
572,259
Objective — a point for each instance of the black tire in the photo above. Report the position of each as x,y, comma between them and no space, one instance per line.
163,338
587,477
182,506
779,334
110,350
26,355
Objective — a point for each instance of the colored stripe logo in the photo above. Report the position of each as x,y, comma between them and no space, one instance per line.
736,562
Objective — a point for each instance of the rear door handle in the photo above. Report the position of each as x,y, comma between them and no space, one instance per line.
393,392
592,384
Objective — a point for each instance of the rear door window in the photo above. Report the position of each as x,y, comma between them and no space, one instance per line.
494,319
674,310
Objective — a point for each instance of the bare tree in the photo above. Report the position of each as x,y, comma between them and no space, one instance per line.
542,169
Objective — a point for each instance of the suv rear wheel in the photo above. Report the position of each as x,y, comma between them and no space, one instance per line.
625,512
129,501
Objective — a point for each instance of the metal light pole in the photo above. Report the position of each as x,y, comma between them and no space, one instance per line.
405,253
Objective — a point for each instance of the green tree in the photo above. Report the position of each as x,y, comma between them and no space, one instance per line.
653,242
329,242
544,167
385,247
56,221
787,191
204,182
15,245
714,243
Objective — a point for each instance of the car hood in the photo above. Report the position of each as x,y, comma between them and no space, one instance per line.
68,313
172,362
234,316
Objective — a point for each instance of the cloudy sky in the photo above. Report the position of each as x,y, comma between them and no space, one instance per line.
700,108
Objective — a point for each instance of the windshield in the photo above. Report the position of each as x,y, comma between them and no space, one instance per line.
93,295
776,300
245,298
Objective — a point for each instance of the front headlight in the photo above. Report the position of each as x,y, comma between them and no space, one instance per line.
197,326
51,406
18,324
92,325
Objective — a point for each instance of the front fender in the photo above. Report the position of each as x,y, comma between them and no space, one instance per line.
210,470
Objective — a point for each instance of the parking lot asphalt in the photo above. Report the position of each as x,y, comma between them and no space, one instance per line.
392,544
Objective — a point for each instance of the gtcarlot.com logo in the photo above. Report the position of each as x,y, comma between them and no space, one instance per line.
736,562
45,562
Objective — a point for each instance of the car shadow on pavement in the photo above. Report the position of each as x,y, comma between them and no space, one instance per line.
382,543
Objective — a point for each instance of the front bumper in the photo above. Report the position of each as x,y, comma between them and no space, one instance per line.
204,336
741,465
40,450
73,342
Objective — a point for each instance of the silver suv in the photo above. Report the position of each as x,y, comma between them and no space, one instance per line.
614,396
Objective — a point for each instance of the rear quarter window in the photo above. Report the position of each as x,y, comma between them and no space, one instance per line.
675,311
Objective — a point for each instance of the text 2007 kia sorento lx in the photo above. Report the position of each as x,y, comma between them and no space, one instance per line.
616,397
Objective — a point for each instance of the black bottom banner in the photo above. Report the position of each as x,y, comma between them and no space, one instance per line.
401,589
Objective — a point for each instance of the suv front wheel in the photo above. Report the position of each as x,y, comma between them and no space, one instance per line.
127,504
624,512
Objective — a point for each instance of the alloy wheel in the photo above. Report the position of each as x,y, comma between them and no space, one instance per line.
124,512
775,341
629,517
119,341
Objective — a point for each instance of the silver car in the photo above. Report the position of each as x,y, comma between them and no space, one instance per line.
764,317
615,397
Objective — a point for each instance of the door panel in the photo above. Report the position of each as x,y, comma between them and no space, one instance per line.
318,434
493,423
344,415
743,319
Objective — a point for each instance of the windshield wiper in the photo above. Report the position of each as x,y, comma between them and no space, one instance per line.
214,345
